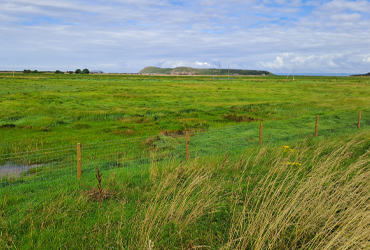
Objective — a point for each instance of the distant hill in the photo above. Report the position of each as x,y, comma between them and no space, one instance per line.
368,74
192,71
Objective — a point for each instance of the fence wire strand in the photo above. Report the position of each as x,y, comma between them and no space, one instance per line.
60,163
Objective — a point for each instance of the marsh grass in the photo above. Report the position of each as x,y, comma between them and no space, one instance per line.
47,111
326,207
252,200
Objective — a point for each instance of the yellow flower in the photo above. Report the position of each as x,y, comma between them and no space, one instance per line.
295,164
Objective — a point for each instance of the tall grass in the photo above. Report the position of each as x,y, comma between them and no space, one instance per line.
321,204
324,204
255,200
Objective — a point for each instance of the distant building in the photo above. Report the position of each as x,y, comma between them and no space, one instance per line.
96,72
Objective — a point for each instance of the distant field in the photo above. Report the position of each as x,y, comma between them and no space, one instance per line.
42,111
293,192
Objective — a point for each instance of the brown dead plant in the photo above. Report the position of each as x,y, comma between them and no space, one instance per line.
98,193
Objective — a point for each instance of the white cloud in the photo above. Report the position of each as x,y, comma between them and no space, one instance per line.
202,64
278,63
320,63
342,5
367,58
354,17
127,35
169,64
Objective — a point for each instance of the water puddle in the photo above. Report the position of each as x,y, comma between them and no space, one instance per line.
15,170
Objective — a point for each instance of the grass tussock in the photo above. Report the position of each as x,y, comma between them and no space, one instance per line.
310,195
322,204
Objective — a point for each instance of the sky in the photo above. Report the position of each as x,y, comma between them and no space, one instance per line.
124,36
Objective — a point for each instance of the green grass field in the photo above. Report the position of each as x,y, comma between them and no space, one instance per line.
232,194
314,196
56,110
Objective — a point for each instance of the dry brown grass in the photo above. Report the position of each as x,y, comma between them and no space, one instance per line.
292,208
181,195
322,204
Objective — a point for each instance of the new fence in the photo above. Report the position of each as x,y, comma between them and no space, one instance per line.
81,160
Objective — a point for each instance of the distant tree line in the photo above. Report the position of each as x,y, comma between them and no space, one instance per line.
77,71
28,71
84,71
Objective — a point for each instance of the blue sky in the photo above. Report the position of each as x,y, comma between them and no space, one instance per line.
126,35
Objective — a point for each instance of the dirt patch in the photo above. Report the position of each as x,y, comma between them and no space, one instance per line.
80,126
98,193
8,126
241,118
45,129
125,119
142,120
151,141
173,133
93,194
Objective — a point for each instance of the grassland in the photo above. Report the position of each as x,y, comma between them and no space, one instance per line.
310,194
47,110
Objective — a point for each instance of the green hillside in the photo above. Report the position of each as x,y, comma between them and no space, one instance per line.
192,71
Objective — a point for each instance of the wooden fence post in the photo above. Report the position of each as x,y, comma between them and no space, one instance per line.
79,165
359,119
261,132
187,145
317,125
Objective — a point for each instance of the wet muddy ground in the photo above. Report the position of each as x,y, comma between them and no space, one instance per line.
15,170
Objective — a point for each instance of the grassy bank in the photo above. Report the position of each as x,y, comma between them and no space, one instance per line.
312,194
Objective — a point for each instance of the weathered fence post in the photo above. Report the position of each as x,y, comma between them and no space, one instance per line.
187,145
261,132
79,165
317,125
359,119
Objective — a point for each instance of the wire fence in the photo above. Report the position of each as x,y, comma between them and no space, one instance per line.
60,164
